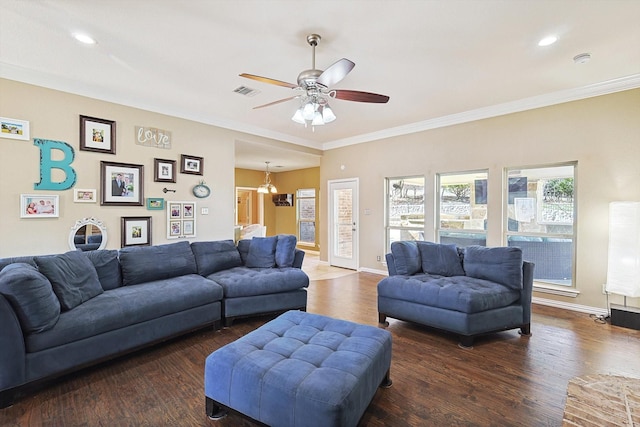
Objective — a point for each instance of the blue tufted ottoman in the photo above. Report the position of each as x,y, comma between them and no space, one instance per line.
300,369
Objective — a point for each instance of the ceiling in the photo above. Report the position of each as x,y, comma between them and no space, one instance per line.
439,61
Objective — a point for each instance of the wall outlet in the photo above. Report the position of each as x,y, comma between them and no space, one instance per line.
378,258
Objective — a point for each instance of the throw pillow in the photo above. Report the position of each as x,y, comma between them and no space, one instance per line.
262,252
215,256
285,250
406,257
31,296
107,266
73,277
141,264
501,264
440,259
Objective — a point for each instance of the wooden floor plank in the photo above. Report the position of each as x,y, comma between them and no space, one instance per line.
505,380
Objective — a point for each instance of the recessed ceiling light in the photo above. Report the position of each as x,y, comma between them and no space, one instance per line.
549,40
83,38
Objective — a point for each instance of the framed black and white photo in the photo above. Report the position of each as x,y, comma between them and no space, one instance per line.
164,170
121,184
191,164
97,135
136,231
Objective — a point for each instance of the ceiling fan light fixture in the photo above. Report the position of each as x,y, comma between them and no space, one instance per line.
327,114
297,117
317,119
309,110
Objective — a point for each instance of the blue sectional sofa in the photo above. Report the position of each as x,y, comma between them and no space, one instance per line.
468,291
60,313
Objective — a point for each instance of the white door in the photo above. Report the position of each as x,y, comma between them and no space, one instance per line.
343,223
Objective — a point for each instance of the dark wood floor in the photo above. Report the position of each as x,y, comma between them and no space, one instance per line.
505,380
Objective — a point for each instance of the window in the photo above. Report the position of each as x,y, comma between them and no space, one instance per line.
404,209
462,208
540,217
306,216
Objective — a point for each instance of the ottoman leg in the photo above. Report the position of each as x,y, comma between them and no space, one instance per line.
214,411
386,381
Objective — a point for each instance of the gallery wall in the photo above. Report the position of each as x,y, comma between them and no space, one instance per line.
54,115
602,134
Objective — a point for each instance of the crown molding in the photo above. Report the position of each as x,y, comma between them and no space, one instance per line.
554,98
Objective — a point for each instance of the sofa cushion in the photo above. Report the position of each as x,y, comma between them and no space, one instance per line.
125,306
501,264
215,256
443,260
285,250
245,281
406,257
73,277
30,294
142,264
25,259
262,252
107,266
460,293
243,248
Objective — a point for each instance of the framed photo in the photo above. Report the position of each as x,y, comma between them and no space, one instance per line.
188,210
84,195
155,204
14,128
175,211
188,228
191,164
136,231
121,184
175,228
97,135
39,206
164,170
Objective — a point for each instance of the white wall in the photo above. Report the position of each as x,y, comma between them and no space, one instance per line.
602,134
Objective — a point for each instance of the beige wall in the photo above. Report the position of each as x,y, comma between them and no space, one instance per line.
55,115
602,134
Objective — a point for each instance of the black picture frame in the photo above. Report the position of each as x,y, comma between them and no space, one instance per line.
98,135
164,170
192,165
135,231
121,184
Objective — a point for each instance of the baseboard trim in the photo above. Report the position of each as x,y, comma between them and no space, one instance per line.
374,271
570,306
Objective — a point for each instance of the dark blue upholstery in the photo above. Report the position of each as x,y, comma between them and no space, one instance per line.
493,295
301,369
142,264
245,281
215,256
107,266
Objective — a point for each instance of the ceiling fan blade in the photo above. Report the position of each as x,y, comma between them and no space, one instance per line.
268,80
277,102
356,95
336,72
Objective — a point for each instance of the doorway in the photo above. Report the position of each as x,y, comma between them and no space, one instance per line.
249,207
343,223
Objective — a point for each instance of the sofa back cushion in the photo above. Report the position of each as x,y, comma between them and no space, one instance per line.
141,264
406,257
285,250
215,256
262,252
28,259
107,266
30,294
439,259
73,277
501,264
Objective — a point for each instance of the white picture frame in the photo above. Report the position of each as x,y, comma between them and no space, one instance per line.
14,129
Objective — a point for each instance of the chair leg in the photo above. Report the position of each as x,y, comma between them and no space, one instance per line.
526,329
466,342
386,381
382,318
214,411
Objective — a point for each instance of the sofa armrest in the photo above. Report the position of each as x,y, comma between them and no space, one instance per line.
12,350
391,264
527,290
299,257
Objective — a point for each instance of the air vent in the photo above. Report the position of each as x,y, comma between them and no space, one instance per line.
246,91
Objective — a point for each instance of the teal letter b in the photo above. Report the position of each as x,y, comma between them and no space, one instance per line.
47,164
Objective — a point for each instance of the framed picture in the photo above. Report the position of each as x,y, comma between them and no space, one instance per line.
175,211
39,206
84,195
175,228
191,164
188,210
188,228
136,231
164,170
155,204
14,128
121,184
97,135
181,219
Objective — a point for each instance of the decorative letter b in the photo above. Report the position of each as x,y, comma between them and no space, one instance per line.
47,164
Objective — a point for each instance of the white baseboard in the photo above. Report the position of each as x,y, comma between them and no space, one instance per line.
570,306
374,271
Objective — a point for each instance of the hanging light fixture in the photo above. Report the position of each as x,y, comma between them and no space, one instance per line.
314,110
267,187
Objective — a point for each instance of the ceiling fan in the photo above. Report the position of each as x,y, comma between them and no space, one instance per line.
316,88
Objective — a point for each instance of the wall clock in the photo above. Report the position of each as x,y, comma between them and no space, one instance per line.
201,190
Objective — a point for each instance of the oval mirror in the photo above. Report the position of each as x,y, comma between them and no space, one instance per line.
88,234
